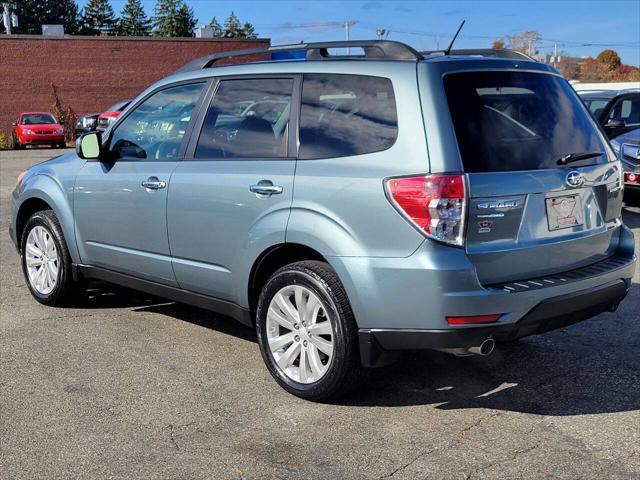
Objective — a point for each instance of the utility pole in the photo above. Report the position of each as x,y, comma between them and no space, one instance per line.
347,26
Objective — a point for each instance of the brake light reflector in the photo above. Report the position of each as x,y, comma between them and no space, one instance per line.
436,204
474,319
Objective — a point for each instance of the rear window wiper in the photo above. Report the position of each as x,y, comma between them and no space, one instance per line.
574,157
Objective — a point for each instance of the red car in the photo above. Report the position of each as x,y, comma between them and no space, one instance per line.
106,118
37,128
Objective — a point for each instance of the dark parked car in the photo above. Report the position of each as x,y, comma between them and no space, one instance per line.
87,123
627,147
106,118
618,111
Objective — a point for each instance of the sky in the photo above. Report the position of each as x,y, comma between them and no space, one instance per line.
579,28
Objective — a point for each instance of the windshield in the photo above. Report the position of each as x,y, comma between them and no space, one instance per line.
595,105
37,119
507,121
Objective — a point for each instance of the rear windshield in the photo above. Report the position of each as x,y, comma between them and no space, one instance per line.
507,121
37,119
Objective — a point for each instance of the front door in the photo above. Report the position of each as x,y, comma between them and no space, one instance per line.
230,200
120,202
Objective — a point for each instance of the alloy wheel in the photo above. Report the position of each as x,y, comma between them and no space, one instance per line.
300,334
42,260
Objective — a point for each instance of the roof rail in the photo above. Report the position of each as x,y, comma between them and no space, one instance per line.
373,50
485,52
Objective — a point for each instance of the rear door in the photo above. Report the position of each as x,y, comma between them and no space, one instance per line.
230,198
531,213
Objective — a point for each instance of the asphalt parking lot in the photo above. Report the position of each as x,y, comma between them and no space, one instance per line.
130,386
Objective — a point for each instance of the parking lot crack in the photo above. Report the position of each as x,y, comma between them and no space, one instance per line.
408,464
172,430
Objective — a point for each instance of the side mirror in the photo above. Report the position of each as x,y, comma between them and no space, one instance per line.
615,123
89,146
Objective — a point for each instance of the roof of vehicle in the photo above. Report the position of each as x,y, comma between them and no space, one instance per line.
608,94
36,113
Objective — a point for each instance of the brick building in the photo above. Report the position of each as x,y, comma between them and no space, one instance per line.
91,73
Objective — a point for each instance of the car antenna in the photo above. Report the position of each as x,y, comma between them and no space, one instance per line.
446,52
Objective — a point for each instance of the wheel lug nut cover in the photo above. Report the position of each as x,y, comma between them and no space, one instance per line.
297,338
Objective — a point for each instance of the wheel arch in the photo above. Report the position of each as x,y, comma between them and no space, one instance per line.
44,193
271,260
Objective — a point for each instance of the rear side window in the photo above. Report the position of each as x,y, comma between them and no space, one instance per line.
507,121
344,115
247,118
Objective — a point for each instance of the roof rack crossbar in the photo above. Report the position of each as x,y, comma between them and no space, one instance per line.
373,50
485,52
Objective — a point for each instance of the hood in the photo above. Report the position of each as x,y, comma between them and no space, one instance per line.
630,137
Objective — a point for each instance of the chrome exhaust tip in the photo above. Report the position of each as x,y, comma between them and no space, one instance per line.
485,348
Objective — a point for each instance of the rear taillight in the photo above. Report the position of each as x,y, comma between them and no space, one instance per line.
436,204
474,319
631,177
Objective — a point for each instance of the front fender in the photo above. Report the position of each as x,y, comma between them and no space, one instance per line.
50,191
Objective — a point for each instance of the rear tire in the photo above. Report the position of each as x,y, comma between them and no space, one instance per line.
307,334
46,262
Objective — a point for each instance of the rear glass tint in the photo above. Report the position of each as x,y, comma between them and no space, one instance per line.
344,115
507,121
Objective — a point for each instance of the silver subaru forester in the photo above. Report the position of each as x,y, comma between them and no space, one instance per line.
347,206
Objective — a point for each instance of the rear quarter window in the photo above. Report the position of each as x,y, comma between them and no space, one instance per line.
345,115
506,121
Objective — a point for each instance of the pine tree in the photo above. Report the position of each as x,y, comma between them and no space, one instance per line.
186,21
165,18
35,13
133,21
217,28
98,17
248,31
232,26
173,18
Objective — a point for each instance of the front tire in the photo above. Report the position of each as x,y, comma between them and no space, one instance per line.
307,333
45,259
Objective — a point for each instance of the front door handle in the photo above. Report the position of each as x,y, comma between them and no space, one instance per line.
265,187
153,183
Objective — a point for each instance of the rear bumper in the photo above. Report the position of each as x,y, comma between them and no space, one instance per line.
550,314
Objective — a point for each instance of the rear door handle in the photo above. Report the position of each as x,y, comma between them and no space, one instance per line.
265,187
153,183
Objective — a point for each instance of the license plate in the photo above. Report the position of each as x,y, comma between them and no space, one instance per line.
564,212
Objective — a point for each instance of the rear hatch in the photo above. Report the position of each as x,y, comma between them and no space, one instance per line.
531,213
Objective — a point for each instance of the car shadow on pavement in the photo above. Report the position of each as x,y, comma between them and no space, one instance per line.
101,295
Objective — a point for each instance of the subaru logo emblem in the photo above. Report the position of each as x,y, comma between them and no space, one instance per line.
574,179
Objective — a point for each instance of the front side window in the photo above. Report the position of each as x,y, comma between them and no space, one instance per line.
506,121
155,129
247,118
344,115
